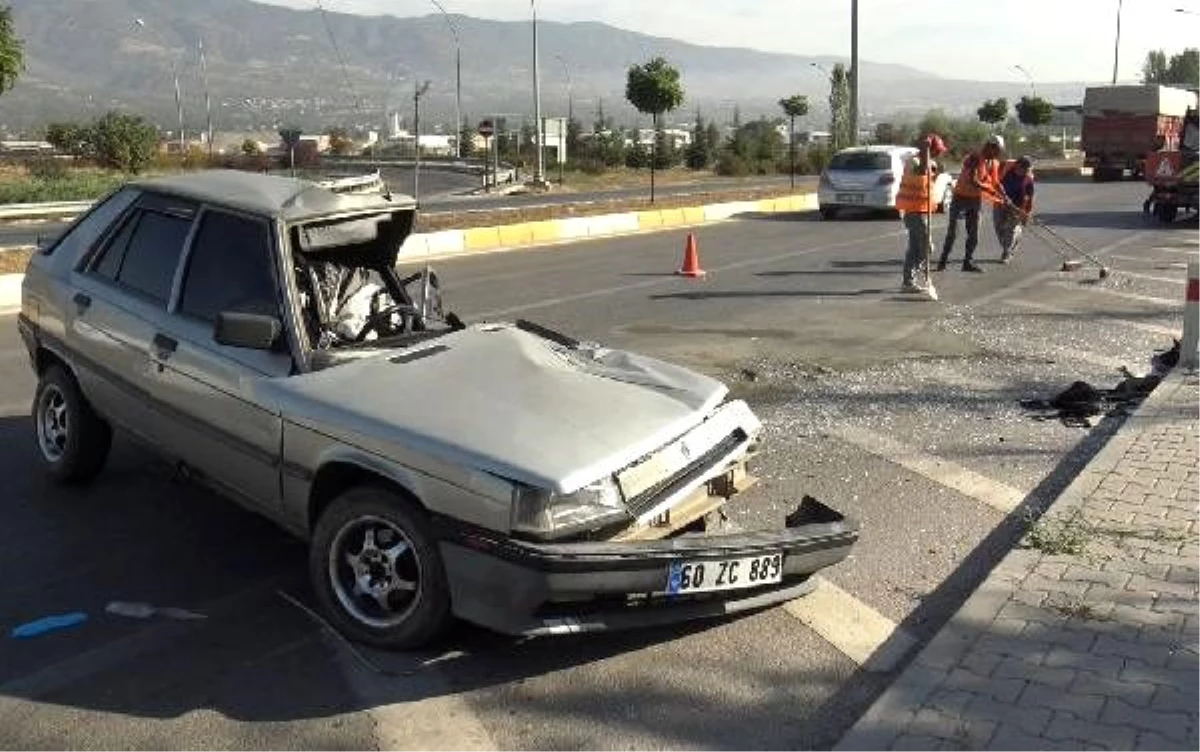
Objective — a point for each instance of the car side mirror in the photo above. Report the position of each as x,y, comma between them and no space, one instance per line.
250,330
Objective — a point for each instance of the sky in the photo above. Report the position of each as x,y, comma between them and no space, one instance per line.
1054,40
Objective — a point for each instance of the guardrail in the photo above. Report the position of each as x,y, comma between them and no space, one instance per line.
11,212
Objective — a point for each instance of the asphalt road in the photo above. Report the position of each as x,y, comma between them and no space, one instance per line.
445,191
899,411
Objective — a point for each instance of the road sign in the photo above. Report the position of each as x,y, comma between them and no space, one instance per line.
486,129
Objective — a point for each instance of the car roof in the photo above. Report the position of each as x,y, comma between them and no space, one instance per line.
877,148
288,199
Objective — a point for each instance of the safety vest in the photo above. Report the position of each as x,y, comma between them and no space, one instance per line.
914,194
987,173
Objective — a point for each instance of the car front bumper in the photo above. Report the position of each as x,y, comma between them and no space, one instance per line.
522,588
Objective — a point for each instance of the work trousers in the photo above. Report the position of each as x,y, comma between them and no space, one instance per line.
918,244
968,209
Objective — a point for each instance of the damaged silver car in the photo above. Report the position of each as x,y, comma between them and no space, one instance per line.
255,331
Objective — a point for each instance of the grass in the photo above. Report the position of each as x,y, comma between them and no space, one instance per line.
19,187
1075,608
1058,536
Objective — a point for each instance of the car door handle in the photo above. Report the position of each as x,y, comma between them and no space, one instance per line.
82,302
164,346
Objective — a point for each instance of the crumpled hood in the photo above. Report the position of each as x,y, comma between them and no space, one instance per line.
502,400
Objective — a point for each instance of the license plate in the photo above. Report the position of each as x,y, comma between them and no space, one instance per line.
724,574
849,198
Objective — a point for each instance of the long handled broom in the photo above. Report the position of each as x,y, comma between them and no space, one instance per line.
1069,264
930,290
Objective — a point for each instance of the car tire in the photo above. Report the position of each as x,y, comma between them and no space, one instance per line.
828,212
355,540
1167,213
72,440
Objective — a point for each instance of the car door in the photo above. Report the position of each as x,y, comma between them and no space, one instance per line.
120,293
229,433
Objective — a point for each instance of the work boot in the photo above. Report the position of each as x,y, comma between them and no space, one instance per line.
911,287
941,266
970,266
1005,257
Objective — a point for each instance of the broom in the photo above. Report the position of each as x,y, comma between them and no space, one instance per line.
930,290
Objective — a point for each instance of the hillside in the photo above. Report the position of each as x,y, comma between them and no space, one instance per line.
268,64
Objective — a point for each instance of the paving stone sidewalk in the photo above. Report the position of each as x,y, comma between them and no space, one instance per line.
1086,635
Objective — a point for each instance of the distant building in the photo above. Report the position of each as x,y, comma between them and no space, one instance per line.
26,147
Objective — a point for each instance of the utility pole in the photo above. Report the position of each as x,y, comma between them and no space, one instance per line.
1117,43
458,123
854,72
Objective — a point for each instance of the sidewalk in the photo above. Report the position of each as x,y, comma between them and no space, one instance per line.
1086,637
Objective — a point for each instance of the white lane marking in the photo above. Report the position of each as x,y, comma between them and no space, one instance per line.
1151,328
1146,260
1000,496
1153,278
669,279
1178,303
1169,249
858,631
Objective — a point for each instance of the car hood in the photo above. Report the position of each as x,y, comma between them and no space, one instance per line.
503,400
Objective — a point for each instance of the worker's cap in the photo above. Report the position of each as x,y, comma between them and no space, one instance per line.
1025,162
995,140
936,144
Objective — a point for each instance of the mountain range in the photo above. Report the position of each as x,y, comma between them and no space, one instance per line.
268,65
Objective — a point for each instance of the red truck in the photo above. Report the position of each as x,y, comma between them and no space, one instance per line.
1123,124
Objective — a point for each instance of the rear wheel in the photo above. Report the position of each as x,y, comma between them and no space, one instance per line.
828,212
377,571
73,441
1166,212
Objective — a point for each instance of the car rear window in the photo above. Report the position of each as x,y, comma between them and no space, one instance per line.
861,161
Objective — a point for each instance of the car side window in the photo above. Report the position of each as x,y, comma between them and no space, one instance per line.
90,228
229,269
153,254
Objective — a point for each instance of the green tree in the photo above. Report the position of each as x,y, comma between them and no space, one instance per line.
70,138
251,148
653,89
290,136
466,139
574,132
1154,70
712,140
1034,111
12,54
993,111
839,108
665,155
793,107
697,154
123,142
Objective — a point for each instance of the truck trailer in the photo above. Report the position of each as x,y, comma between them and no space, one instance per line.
1124,124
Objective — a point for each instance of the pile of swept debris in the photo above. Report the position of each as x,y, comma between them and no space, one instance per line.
1081,405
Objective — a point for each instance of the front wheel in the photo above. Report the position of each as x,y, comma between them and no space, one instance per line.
72,440
376,570
828,212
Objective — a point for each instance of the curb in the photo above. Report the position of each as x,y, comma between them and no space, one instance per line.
519,236
892,712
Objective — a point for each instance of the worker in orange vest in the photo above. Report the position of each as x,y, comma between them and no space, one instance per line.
980,178
917,202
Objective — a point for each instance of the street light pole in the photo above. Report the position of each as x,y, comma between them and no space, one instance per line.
539,174
562,135
458,123
1117,43
418,91
1032,87
207,99
139,23
854,72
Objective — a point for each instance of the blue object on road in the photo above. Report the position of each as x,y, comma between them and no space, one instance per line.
48,624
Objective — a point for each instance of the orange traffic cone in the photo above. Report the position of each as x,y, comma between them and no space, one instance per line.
691,259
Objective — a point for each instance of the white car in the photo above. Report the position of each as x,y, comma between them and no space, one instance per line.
868,177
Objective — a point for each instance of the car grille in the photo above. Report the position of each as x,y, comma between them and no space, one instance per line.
646,500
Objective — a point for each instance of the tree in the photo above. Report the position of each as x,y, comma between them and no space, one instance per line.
697,156
12,54
123,142
1034,111
1154,70
793,107
251,148
1178,70
665,155
653,89
340,143
839,108
993,111
70,138
466,139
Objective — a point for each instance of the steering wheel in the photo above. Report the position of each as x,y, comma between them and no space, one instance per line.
408,315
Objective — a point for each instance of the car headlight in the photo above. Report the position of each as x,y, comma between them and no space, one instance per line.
545,514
